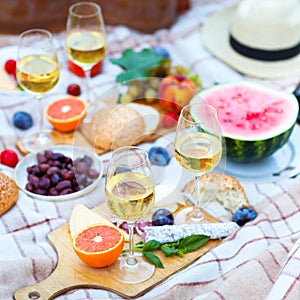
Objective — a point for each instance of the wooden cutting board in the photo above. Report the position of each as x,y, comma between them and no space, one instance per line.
70,273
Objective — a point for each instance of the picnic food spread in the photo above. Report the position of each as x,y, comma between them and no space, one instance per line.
250,206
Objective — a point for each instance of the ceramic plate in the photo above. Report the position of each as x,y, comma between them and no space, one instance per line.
282,164
70,151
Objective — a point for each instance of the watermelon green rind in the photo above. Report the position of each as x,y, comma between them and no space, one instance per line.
252,151
253,145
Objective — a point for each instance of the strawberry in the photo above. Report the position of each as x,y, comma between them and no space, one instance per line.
9,158
169,119
74,89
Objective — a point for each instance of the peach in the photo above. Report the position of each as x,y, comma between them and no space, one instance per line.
175,92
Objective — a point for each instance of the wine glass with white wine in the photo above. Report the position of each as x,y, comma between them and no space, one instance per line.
198,149
37,73
130,195
86,38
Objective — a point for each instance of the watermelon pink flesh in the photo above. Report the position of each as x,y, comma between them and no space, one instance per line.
249,113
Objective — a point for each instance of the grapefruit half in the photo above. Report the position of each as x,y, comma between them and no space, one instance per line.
99,245
66,114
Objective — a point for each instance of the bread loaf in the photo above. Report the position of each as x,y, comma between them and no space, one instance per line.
9,193
119,127
222,188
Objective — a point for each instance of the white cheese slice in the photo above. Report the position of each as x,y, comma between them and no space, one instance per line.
6,82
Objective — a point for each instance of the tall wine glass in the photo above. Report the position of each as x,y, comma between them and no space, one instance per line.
37,73
130,195
198,149
86,38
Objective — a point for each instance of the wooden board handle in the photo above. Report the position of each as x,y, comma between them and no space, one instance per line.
47,289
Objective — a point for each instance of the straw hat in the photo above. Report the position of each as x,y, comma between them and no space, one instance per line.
257,38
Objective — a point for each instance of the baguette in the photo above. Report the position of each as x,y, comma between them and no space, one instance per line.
223,188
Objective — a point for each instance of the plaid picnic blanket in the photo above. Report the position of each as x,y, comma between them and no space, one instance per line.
261,260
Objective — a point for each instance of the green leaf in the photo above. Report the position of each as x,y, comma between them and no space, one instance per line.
154,259
192,242
136,64
151,245
168,251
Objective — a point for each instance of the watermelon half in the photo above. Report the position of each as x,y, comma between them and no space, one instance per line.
256,120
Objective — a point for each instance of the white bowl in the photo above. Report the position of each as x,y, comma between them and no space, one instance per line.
70,151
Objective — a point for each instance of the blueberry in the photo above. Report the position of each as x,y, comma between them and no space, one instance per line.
162,217
22,120
244,215
159,156
162,51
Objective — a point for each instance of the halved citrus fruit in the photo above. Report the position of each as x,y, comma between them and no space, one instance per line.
99,245
66,114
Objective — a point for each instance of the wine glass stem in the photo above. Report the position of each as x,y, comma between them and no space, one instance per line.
197,214
87,78
131,259
41,116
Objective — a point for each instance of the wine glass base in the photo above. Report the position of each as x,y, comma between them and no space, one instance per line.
37,141
186,216
131,274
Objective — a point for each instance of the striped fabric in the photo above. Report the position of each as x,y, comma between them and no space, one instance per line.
260,261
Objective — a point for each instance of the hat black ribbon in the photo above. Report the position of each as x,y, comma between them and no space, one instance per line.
267,55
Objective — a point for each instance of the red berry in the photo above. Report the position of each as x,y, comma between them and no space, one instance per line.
11,67
170,119
9,158
74,89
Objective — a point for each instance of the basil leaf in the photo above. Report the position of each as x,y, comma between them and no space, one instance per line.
192,242
154,259
151,245
168,250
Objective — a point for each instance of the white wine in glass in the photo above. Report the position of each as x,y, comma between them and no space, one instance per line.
37,73
130,195
86,38
198,149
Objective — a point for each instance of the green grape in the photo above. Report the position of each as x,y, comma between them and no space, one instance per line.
154,82
151,95
125,98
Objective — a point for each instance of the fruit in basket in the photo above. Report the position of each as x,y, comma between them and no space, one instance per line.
9,158
256,121
175,92
162,51
66,114
22,120
99,245
169,119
